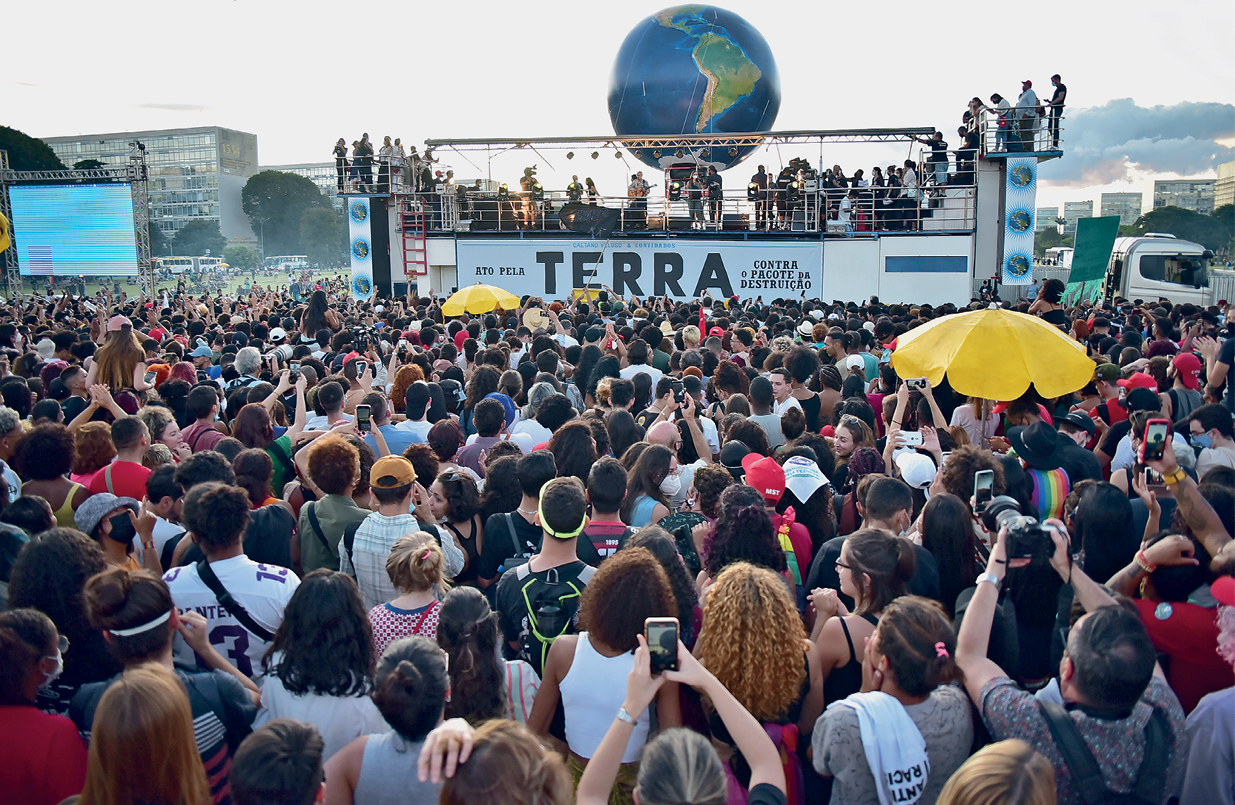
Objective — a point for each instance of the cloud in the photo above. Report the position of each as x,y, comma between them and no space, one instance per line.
174,107
1107,144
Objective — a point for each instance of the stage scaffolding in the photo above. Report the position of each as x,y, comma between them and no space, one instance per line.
136,173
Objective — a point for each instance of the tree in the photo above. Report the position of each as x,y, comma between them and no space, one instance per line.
195,237
28,153
159,245
319,235
241,257
275,203
1211,231
87,165
1048,238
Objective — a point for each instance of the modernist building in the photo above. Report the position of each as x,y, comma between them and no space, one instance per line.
1224,188
195,174
1190,194
1046,219
1074,210
1126,205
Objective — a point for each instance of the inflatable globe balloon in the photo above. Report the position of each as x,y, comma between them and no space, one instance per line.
693,70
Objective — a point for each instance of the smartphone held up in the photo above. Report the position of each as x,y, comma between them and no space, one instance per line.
662,637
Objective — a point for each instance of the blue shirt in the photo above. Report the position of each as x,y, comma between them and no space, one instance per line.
397,439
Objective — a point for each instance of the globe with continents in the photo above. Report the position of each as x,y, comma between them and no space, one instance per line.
694,70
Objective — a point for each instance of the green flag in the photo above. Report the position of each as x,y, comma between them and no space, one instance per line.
1095,237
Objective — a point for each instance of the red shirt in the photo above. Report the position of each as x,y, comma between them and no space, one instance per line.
128,480
44,758
1188,634
201,436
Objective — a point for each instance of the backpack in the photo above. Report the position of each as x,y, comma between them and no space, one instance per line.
1087,774
552,610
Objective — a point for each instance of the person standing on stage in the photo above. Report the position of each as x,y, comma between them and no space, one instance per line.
593,195
574,190
761,198
694,200
1057,101
715,195
340,161
384,156
637,192
1027,115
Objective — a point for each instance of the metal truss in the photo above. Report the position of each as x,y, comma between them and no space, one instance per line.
12,276
692,141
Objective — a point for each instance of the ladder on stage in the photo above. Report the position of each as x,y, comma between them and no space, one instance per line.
415,247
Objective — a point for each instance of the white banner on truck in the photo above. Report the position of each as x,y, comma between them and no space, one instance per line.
681,269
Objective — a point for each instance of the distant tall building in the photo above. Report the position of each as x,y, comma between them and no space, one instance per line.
1074,210
321,174
195,174
1126,205
1224,188
1045,218
1190,194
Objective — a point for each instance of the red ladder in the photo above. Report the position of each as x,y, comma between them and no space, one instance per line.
415,248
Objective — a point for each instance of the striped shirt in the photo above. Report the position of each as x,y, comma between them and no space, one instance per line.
375,537
1050,488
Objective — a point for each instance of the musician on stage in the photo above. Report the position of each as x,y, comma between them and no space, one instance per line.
715,196
761,200
637,192
528,210
574,190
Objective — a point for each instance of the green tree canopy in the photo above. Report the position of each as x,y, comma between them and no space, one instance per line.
275,203
1211,231
1048,238
88,164
28,153
195,237
159,245
241,257
320,229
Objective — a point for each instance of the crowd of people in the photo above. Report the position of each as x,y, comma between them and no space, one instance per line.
263,550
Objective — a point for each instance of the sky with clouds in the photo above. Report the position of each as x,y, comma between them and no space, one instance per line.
1150,92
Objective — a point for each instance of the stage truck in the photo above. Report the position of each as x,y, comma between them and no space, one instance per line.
795,232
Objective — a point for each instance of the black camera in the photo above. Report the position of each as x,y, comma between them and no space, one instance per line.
1027,538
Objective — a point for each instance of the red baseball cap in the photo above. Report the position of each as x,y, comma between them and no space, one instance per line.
1188,367
1002,406
1138,380
716,331
1224,590
765,475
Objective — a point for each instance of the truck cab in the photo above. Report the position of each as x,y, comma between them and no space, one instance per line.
1158,266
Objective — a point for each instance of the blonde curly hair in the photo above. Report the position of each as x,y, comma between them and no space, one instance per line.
752,640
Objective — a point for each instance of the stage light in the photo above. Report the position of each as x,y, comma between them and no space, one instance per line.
538,191
733,152
656,154
675,191
752,192
570,154
679,153
637,154
595,154
705,153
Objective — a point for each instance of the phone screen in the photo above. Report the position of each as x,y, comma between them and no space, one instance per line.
362,417
122,529
983,481
150,376
1156,433
360,367
294,366
662,637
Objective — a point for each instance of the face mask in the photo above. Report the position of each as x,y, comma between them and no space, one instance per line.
671,485
1201,440
54,675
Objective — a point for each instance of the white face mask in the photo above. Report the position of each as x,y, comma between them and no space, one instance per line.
54,675
671,485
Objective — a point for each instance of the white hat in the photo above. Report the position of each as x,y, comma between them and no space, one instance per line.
868,325
855,362
803,477
805,329
833,317
46,348
817,314
278,334
379,308
916,469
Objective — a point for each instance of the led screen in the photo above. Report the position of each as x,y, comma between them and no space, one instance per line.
76,229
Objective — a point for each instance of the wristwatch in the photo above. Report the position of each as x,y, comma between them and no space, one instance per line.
625,716
990,577
1174,478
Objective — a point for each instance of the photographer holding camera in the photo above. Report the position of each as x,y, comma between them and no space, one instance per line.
1118,707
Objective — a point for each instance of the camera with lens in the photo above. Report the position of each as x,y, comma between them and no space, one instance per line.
1027,538
363,338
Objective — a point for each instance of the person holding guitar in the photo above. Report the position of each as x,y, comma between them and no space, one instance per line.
637,192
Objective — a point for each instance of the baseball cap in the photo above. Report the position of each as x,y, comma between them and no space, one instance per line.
765,475
1223,589
1026,83
803,477
916,469
1141,399
1139,380
1188,366
1081,420
278,334
507,403
391,472
716,331
731,456
202,351
1108,372
854,362
116,322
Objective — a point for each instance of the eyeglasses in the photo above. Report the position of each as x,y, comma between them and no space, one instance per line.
841,565
453,476
63,644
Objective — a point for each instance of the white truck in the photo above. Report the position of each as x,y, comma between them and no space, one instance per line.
1158,266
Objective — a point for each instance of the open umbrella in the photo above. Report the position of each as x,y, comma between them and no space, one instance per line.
994,354
479,299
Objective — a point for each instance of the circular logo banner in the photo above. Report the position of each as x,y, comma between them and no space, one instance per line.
359,211
1017,265
360,249
362,285
1020,221
1021,175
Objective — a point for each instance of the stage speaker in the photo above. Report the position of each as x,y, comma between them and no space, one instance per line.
677,223
379,237
736,222
484,214
799,220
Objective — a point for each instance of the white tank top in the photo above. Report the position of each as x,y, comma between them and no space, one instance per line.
592,693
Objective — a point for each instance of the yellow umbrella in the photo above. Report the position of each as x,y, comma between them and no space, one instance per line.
994,354
479,299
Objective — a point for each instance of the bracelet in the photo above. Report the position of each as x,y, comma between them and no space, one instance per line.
622,715
990,578
1143,563
1174,477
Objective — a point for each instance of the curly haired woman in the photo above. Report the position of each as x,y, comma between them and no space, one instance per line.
753,642
743,533
587,672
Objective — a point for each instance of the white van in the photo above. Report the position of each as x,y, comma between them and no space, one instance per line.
1159,266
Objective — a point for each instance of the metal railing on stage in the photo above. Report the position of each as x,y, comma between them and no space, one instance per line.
1022,130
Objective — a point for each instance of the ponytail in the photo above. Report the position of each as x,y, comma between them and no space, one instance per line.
916,636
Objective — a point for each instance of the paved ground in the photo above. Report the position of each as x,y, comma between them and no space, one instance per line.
130,285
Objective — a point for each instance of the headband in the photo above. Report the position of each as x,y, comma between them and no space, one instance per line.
145,627
540,510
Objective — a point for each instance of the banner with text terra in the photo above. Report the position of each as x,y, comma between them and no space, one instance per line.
682,270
